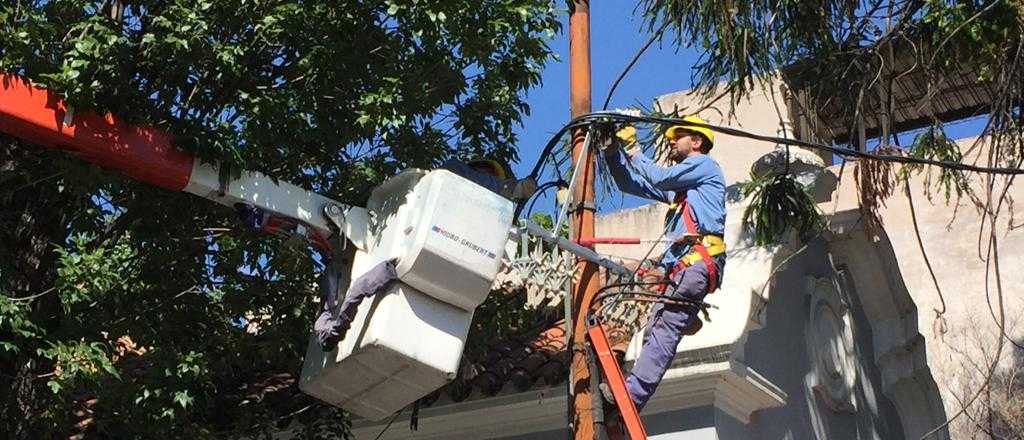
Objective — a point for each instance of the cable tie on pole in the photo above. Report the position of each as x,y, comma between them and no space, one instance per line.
575,206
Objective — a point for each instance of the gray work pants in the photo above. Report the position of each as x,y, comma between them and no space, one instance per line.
334,320
664,330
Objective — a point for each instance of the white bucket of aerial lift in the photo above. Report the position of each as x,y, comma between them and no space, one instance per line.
447,233
402,345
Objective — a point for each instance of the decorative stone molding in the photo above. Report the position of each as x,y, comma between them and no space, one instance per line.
867,267
806,167
831,347
729,385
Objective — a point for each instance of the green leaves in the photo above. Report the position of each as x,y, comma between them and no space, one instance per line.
778,204
334,96
93,49
183,398
86,273
254,83
970,33
933,144
76,363
15,320
191,365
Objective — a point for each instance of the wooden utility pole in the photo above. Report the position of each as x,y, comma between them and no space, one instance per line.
582,216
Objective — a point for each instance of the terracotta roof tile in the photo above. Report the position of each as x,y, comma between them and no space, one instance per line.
521,362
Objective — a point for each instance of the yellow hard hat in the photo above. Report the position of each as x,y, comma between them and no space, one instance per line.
670,133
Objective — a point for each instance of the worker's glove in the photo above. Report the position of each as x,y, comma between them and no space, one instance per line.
627,135
520,189
524,188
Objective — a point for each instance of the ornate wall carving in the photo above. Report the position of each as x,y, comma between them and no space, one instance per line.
830,346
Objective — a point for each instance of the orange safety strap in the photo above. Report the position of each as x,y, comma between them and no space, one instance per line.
691,228
613,375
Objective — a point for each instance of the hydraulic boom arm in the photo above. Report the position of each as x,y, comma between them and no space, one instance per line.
147,154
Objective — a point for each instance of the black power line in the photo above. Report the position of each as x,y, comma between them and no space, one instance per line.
619,118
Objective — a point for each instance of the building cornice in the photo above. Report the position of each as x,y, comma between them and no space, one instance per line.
727,385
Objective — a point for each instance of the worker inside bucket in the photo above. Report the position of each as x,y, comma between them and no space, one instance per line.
337,311
336,318
494,175
694,187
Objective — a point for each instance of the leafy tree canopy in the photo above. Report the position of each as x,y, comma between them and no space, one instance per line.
133,312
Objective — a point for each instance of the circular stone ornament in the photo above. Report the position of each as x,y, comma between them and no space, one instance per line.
831,346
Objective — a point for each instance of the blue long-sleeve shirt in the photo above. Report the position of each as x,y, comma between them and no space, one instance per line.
699,176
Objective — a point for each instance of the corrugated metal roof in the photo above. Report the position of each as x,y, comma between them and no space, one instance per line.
918,100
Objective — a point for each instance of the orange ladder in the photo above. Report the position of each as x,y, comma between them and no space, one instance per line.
613,375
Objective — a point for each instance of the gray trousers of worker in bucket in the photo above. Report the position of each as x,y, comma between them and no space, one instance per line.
665,327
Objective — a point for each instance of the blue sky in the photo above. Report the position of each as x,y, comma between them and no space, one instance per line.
616,33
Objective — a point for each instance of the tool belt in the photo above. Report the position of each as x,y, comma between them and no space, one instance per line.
713,243
707,247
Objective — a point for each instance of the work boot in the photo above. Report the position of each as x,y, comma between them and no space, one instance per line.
606,393
330,343
612,415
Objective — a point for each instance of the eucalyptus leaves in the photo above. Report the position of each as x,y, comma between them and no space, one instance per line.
934,144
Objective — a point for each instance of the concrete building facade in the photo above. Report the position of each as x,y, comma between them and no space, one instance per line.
863,332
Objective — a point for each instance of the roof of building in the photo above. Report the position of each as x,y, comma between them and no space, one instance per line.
517,364
918,96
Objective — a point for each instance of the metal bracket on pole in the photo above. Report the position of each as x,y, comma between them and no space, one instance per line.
572,180
575,206
348,221
580,251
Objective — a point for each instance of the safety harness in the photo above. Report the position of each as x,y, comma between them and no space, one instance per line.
703,246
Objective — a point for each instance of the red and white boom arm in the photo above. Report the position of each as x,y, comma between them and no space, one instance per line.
148,154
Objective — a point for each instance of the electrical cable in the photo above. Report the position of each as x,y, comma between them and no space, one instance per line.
395,416
615,117
657,297
550,146
540,189
600,296
636,56
642,296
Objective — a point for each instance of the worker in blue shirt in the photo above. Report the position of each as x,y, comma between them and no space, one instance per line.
694,186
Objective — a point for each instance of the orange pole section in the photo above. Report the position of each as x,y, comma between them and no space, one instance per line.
41,117
582,217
